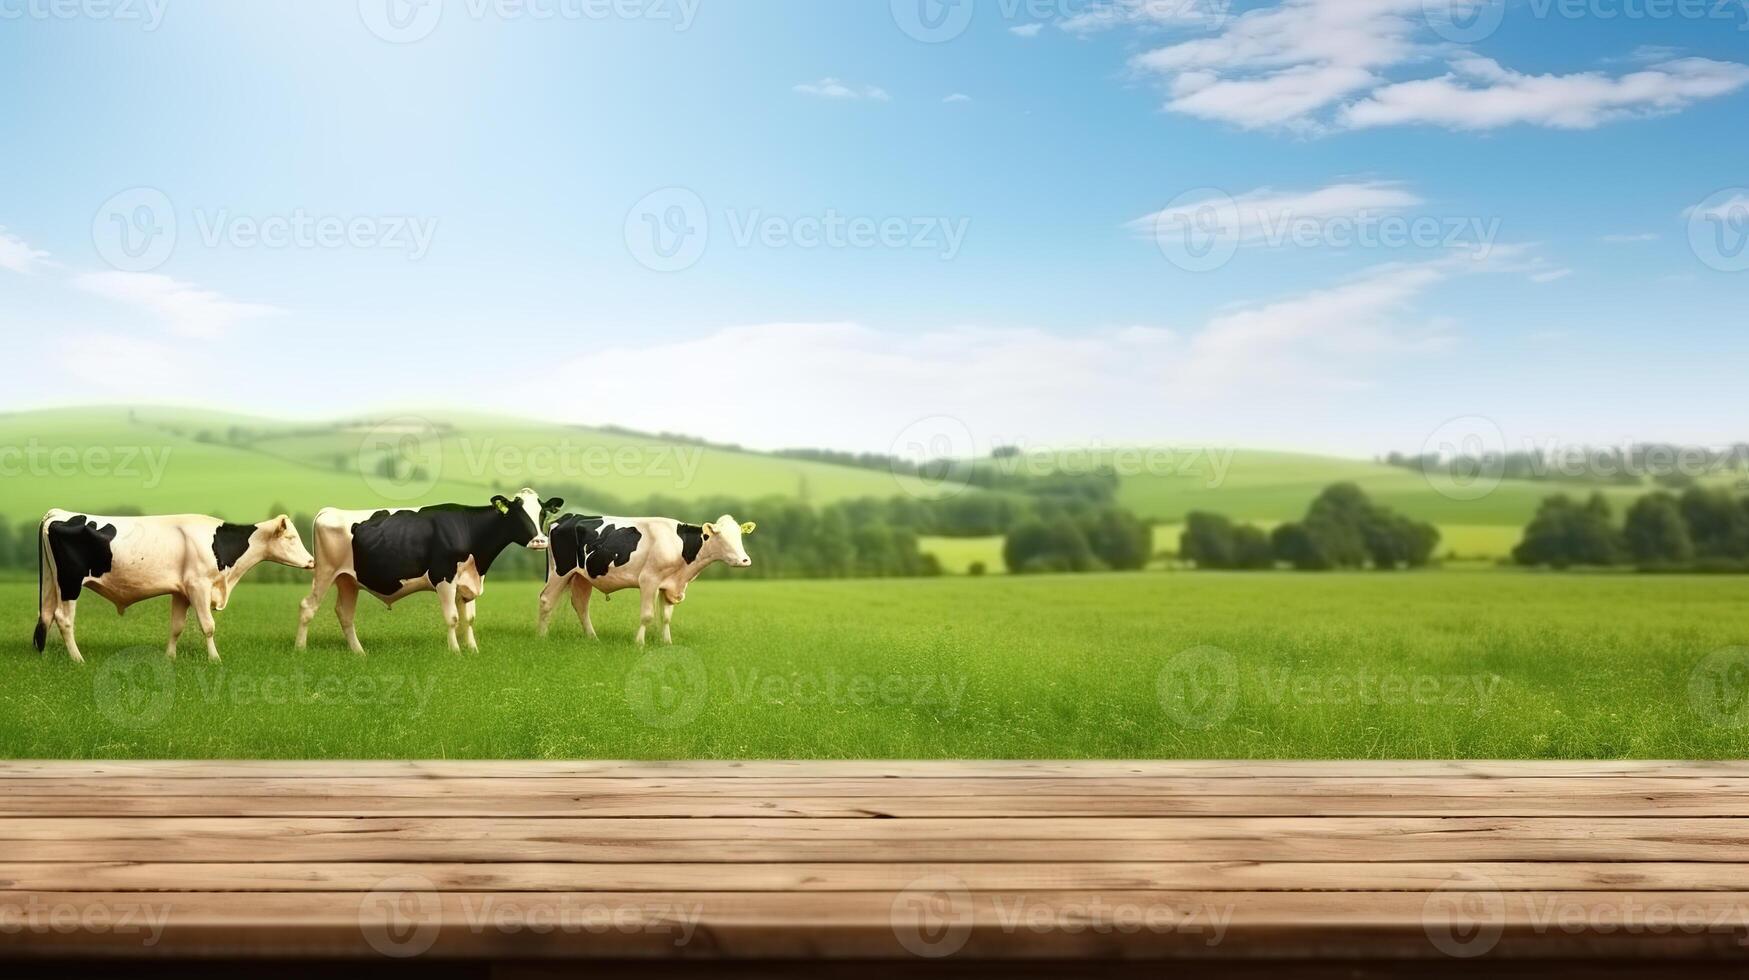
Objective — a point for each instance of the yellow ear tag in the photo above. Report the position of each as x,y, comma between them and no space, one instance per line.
748,527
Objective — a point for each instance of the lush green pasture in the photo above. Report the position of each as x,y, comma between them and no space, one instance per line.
1425,665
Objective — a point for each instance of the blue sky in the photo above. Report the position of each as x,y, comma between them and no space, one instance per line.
987,223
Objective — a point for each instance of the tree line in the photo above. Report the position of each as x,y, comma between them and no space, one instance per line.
1703,529
1343,528
1664,464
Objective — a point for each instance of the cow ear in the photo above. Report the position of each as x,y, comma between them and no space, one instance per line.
554,504
748,527
708,529
283,525
502,503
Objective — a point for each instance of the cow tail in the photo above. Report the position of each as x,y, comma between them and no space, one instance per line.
45,585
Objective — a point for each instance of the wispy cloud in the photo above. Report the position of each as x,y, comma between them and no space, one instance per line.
957,97
1550,275
187,310
1266,216
832,88
18,256
1625,239
1026,30
1317,66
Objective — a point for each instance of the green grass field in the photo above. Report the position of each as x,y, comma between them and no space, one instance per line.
1495,664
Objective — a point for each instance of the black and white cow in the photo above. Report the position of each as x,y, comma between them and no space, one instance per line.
193,559
393,553
655,555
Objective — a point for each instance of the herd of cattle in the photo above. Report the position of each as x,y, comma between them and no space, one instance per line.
391,553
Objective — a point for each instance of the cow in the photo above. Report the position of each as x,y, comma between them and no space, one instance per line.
194,559
657,555
395,552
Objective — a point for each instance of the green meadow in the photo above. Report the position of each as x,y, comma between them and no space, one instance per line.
1484,664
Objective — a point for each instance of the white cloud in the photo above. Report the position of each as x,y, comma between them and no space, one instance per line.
188,310
1267,217
832,88
18,256
1314,66
1480,94
118,365
1026,30
1550,275
1114,385
1730,211
1648,236
957,97
1106,14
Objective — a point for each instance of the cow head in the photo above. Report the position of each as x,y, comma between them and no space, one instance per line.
725,535
280,543
528,516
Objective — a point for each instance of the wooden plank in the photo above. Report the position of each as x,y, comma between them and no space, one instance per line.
1091,769
1246,876
1600,802
995,925
1717,839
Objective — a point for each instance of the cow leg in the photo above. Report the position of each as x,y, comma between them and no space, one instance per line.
646,610
65,612
580,592
346,610
667,620
178,617
468,624
307,607
203,614
549,597
451,615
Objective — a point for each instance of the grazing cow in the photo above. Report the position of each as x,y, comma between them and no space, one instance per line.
193,559
446,548
656,555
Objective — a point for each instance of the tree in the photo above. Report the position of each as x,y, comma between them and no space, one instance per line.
1251,548
1717,522
1656,533
1207,540
1565,533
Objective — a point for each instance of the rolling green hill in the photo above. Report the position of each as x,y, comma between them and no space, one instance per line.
167,460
